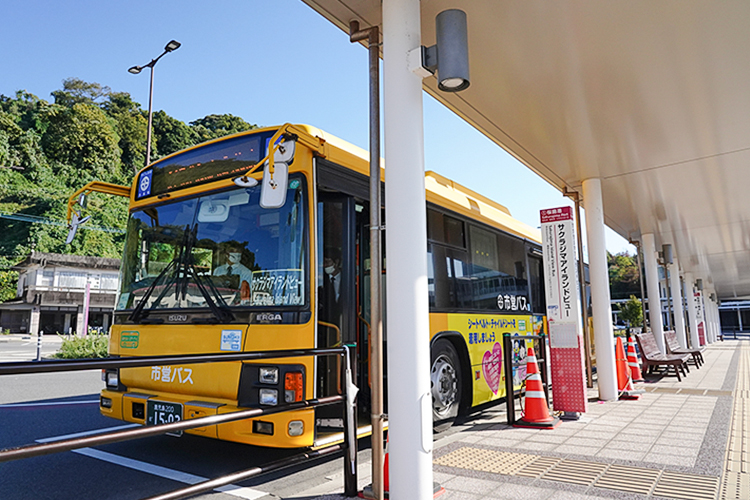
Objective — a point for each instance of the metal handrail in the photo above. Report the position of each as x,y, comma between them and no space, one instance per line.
21,367
347,397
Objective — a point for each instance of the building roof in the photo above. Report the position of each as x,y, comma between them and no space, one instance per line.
650,97
64,260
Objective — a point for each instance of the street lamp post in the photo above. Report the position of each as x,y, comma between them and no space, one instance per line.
171,46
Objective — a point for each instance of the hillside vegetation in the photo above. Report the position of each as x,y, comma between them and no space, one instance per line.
49,149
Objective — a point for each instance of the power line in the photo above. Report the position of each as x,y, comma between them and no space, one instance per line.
35,219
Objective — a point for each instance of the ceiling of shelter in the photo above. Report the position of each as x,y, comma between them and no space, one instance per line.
650,96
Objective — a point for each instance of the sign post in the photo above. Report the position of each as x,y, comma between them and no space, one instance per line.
699,317
561,285
86,303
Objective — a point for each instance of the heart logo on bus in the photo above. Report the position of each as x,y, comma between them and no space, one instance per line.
491,365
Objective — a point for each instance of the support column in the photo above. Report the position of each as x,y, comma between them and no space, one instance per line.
34,321
713,316
80,322
66,323
692,310
409,398
739,318
652,288
679,316
600,298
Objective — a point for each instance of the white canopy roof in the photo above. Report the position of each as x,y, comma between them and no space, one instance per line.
650,96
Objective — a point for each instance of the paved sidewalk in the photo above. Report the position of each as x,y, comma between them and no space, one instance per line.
681,440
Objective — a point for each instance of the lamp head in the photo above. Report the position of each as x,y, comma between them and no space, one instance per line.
172,45
135,70
452,50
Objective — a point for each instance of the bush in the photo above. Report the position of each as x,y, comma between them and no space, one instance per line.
632,312
91,346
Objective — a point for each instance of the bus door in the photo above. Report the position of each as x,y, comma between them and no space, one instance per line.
336,285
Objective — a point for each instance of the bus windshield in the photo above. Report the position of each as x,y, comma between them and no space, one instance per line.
218,250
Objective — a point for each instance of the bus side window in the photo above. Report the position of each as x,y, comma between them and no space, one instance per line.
536,275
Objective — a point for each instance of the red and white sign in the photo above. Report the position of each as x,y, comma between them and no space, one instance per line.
699,321
562,290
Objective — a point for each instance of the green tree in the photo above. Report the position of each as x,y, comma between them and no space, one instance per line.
632,312
170,135
76,91
82,144
623,275
130,123
88,133
215,126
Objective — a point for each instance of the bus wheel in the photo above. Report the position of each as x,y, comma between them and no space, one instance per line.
445,381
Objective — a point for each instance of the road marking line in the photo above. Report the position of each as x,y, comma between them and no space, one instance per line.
87,433
59,403
164,472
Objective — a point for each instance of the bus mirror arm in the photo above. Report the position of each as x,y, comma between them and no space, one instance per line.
290,133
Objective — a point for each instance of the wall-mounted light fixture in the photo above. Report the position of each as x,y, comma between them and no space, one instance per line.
449,57
667,251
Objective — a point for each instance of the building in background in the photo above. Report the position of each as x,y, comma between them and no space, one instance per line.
51,290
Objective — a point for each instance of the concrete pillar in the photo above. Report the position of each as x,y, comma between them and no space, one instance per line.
66,323
105,324
409,397
701,309
692,310
679,315
600,298
652,289
80,322
34,321
713,315
739,318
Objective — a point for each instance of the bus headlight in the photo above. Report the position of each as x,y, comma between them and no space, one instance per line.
269,397
111,378
296,427
269,375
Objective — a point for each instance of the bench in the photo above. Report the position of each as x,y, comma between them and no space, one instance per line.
653,357
673,345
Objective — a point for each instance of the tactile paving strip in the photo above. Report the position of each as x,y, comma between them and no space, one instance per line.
687,486
631,479
735,482
610,476
486,460
576,472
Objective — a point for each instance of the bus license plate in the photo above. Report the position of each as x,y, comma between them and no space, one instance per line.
163,412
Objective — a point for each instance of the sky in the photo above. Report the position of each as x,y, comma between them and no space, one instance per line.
269,62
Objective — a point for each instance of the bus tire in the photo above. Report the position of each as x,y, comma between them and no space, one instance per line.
445,384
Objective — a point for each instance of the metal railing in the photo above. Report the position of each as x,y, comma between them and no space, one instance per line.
540,350
347,397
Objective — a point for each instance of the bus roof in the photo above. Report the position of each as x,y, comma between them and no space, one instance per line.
440,190
443,192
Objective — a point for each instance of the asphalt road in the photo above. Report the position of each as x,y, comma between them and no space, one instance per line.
47,407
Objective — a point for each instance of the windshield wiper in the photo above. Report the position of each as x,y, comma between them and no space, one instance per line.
138,311
221,310
184,269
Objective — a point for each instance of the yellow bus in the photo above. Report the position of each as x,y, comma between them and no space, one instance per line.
259,241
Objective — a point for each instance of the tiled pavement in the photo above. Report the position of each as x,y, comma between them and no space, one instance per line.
684,439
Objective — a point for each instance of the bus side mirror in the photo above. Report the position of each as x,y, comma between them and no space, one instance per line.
273,188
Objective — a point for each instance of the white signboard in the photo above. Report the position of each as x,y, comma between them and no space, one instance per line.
561,277
563,310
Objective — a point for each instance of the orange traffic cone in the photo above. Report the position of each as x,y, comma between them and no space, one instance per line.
633,361
624,378
535,410
386,482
